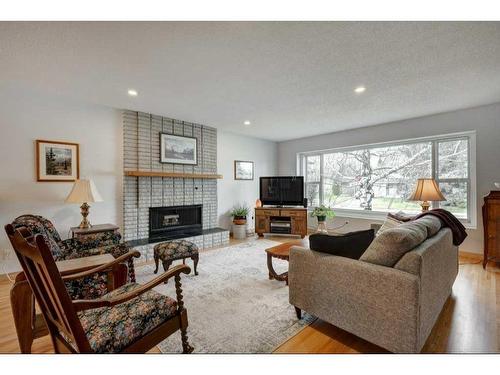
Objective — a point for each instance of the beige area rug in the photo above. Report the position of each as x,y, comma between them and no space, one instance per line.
232,305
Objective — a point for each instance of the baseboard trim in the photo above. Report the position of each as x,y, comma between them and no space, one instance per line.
469,255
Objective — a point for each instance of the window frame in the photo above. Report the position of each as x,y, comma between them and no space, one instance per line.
470,136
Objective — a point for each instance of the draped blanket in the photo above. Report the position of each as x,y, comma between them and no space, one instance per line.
448,220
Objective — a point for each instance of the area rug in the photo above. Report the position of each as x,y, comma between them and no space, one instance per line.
232,305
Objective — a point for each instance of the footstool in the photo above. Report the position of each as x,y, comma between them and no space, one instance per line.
167,252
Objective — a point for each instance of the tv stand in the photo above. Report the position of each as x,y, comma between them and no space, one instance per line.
276,219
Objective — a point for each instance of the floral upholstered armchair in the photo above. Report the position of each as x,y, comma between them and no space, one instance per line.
71,248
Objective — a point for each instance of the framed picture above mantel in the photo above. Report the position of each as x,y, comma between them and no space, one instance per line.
178,149
57,161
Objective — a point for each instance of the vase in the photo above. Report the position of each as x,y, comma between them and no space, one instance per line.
322,225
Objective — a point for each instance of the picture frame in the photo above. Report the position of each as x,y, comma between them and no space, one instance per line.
178,149
57,161
243,170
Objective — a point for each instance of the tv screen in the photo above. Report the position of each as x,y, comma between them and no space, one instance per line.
282,191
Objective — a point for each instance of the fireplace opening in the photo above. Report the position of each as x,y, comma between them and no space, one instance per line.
175,221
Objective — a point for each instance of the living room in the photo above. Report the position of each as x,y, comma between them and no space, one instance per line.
251,187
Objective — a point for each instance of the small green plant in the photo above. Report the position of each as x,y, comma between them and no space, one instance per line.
240,211
322,213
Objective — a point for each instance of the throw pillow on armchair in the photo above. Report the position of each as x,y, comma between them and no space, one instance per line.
350,245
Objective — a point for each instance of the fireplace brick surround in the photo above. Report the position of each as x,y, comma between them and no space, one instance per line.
141,148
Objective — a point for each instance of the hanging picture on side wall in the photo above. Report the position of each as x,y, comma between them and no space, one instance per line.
243,170
178,149
57,161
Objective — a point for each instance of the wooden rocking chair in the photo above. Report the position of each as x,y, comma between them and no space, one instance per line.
129,319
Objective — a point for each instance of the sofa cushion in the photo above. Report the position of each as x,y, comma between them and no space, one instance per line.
350,245
432,223
387,248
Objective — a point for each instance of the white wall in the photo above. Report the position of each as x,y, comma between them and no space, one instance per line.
27,116
485,120
231,147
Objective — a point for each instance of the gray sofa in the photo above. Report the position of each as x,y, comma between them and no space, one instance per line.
394,307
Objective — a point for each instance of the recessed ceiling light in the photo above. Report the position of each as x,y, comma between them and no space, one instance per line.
247,122
132,92
360,89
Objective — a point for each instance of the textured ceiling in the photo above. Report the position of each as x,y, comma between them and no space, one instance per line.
290,79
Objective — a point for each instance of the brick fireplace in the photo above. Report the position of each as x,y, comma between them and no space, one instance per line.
141,147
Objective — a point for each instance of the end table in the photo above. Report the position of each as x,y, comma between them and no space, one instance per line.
93,231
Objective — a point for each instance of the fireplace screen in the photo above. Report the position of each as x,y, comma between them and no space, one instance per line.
175,221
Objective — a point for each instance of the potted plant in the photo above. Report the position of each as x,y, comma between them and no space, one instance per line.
239,214
322,213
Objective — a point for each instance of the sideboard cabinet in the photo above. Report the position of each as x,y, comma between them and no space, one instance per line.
491,225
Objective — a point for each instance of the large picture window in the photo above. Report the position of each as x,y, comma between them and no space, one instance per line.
381,177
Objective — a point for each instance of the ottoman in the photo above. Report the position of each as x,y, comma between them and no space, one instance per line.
167,252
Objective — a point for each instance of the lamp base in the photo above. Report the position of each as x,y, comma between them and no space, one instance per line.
85,224
425,206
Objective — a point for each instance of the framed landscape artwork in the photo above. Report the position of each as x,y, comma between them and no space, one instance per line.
57,161
178,149
243,170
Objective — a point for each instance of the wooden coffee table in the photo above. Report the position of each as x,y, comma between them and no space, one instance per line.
282,251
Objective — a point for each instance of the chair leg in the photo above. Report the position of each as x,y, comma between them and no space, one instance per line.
186,348
195,259
157,262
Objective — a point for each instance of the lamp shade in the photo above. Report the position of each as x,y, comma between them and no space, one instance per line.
84,191
427,190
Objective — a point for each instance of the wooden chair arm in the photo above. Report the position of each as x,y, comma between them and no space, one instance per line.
80,305
68,276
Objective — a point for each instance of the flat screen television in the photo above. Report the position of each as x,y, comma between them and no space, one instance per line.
282,191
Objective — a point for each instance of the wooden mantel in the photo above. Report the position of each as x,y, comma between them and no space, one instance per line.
172,174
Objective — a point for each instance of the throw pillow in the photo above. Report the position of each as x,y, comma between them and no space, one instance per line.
401,216
350,245
387,248
389,223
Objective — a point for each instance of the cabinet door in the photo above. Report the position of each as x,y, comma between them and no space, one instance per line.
299,226
262,224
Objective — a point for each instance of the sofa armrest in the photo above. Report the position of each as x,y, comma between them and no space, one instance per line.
377,303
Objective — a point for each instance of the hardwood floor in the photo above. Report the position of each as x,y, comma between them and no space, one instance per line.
469,322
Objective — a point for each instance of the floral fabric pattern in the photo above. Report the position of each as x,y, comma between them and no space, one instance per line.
103,243
111,329
39,225
174,250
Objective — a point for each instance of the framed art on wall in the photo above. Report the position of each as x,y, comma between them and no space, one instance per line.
243,170
57,161
178,149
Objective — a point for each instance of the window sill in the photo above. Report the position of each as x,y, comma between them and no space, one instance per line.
376,215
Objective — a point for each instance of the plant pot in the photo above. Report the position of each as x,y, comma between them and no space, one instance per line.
321,219
240,220
239,231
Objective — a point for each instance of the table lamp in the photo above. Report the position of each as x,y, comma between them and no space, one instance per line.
427,190
84,192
